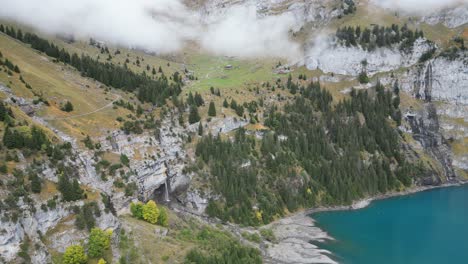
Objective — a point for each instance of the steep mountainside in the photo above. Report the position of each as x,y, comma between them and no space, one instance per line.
375,102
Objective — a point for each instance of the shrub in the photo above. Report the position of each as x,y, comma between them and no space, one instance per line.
137,210
67,107
99,241
150,212
163,219
363,78
74,255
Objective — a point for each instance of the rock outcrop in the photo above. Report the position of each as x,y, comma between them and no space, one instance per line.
426,130
295,242
450,17
338,59
446,79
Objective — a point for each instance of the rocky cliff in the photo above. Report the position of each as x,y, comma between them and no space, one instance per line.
331,57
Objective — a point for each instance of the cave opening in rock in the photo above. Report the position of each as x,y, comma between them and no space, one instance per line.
161,194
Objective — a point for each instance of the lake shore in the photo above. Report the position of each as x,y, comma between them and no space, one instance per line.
298,233
363,203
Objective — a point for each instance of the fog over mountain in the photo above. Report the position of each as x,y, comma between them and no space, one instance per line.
421,7
161,26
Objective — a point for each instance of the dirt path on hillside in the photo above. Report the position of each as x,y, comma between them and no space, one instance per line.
85,114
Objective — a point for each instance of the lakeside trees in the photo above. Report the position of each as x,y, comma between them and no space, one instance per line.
315,154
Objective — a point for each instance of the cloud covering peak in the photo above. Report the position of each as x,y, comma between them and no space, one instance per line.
421,7
161,26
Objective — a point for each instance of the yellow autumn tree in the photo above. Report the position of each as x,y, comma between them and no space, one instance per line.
102,261
74,255
150,212
259,216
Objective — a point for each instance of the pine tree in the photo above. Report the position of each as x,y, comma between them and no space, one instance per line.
233,104
363,78
225,103
35,183
198,100
67,107
8,138
212,109
240,110
200,129
190,99
139,110
193,115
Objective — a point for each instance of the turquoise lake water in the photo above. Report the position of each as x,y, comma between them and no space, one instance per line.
426,227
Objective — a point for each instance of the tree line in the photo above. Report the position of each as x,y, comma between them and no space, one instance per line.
151,90
378,36
314,154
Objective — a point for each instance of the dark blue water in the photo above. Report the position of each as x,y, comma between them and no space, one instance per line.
426,227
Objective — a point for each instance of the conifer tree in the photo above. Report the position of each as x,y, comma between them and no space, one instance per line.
193,115
35,183
212,109
200,129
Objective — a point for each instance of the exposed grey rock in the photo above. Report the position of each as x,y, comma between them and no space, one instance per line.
338,59
295,242
425,128
11,235
451,17
195,201
220,125
446,79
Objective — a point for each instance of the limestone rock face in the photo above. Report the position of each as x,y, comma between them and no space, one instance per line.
440,79
343,60
443,81
426,129
30,225
11,235
451,17
220,125
193,200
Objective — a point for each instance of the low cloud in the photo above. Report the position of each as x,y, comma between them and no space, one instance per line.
161,26
418,6
240,32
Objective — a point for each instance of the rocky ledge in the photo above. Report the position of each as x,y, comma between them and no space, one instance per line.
295,242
